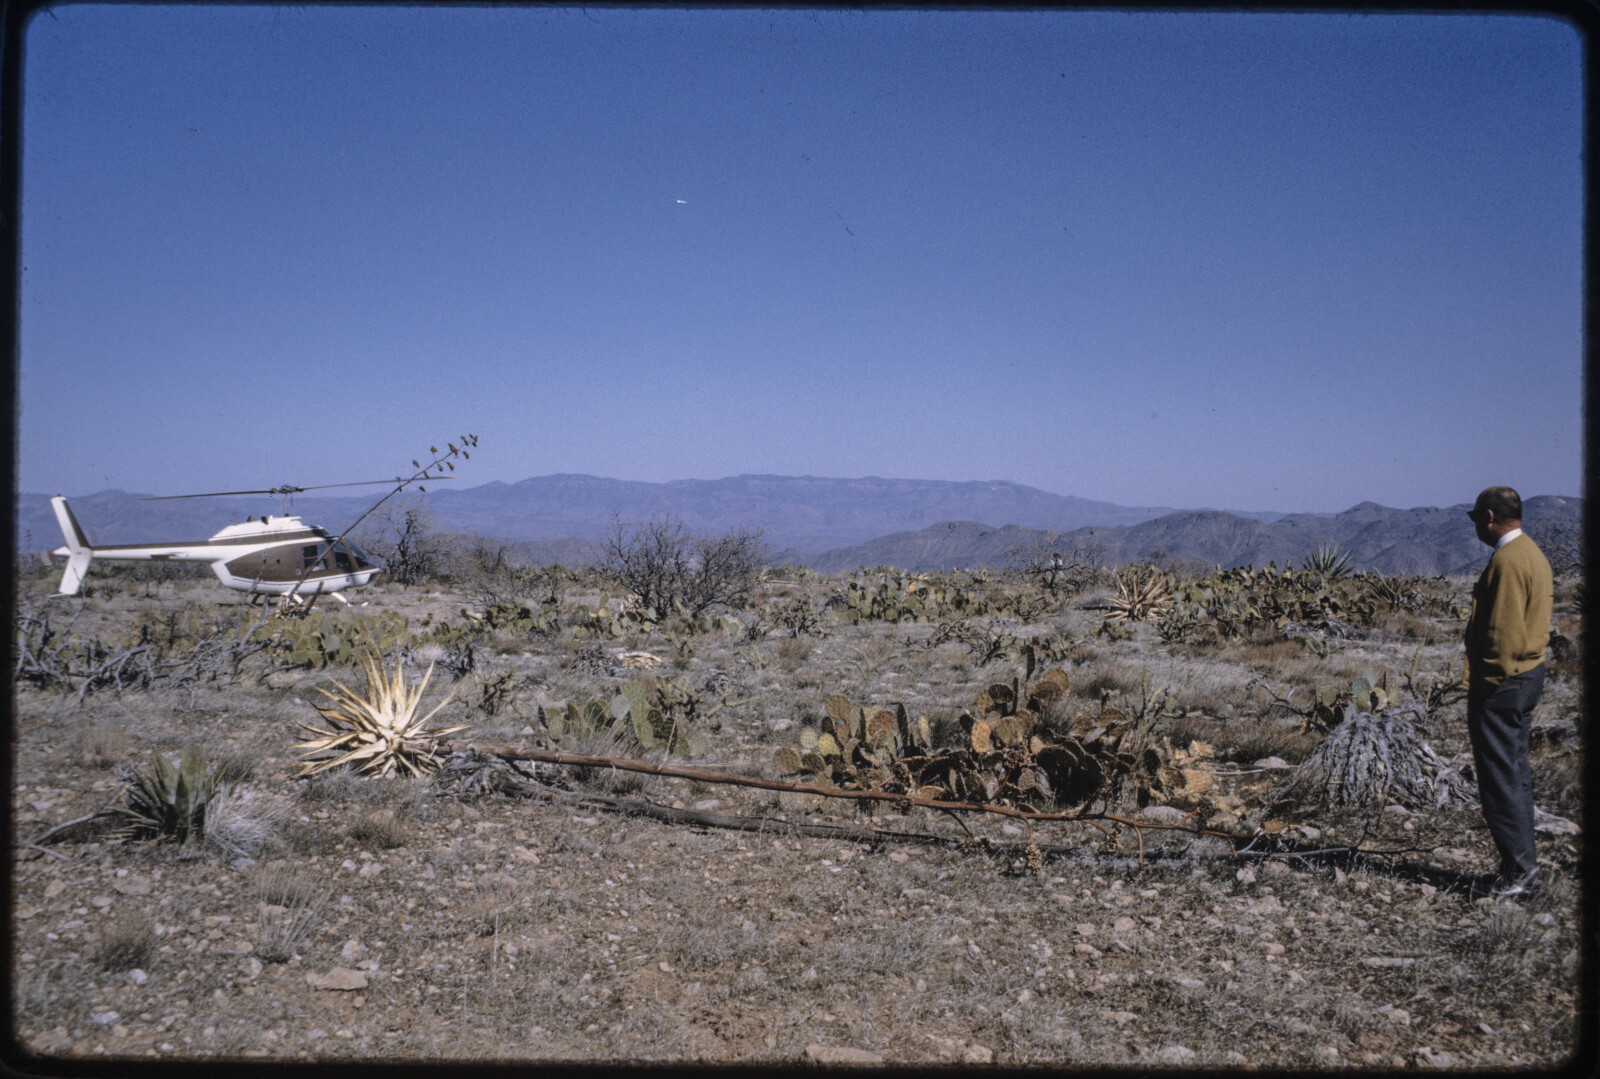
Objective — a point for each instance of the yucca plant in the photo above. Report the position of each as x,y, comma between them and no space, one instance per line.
377,732
171,799
1327,562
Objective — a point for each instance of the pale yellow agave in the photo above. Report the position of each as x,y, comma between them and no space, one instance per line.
378,732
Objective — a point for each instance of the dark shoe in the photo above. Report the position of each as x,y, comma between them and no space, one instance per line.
1518,889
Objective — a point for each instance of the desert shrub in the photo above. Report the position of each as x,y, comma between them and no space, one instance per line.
405,542
666,568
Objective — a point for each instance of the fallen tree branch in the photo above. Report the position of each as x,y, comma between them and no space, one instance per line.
904,801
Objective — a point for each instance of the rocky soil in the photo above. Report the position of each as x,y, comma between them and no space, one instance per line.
343,918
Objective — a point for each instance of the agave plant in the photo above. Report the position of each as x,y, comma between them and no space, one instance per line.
1327,562
377,732
1142,595
171,800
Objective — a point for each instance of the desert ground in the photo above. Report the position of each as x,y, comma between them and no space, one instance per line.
538,912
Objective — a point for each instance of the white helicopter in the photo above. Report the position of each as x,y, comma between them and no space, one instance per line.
267,556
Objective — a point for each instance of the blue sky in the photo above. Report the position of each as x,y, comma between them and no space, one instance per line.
1285,262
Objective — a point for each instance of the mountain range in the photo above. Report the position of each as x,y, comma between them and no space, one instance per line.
835,524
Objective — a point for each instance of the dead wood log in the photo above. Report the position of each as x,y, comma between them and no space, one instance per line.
1098,821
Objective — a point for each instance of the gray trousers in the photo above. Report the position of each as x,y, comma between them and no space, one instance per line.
1498,721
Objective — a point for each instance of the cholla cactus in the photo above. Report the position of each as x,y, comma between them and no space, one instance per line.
377,732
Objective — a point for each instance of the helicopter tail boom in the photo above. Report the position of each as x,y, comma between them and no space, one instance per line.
79,553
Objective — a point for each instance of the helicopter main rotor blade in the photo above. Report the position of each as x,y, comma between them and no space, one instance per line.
286,489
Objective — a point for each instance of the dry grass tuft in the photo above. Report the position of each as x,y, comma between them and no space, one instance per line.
381,828
126,943
244,823
792,653
101,746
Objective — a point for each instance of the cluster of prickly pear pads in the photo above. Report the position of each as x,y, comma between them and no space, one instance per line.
1007,756
656,716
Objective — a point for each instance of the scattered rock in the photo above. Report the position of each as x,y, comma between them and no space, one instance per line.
103,1019
1162,814
1271,762
137,976
339,978
1425,1057
828,1054
1175,1054
977,1054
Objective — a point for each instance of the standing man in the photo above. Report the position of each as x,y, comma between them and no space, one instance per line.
1506,638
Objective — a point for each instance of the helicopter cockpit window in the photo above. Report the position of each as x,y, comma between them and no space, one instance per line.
362,560
311,554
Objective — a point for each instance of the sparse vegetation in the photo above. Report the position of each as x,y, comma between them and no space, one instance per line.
524,911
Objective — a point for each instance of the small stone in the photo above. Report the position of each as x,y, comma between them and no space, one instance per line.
54,888
338,978
371,869
1245,876
1273,947
101,901
353,949
103,1019
1271,762
1176,1054
828,1054
1087,929
977,1054
253,968
137,976
1123,925
1162,814
1400,1016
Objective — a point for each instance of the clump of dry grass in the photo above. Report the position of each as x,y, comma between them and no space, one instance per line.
792,653
126,943
381,828
244,823
100,746
303,899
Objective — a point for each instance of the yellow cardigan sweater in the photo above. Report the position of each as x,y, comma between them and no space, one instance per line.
1509,627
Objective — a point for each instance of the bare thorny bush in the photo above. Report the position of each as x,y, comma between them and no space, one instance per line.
181,649
667,568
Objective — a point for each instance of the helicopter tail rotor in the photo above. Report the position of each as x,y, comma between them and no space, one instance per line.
79,552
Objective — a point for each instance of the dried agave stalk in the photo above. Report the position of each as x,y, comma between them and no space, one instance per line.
377,732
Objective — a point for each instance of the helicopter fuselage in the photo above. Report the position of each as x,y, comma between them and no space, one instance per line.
267,555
